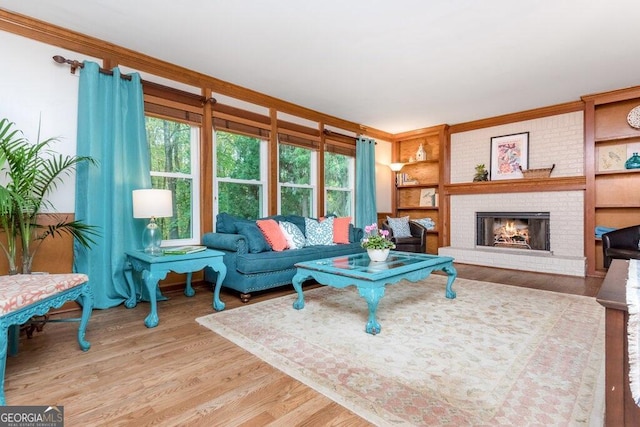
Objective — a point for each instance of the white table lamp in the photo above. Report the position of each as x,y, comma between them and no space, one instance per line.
152,203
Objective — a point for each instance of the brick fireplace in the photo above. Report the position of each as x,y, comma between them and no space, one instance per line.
566,224
513,230
556,139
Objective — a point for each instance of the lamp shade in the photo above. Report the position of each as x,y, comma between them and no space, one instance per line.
152,203
396,166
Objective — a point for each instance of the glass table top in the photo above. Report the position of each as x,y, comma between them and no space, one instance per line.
359,265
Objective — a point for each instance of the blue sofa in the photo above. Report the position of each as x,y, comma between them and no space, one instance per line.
253,266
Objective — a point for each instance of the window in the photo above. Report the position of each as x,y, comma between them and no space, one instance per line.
297,177
339,183
174,163
241,174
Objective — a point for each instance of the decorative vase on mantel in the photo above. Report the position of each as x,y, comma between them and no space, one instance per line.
378,255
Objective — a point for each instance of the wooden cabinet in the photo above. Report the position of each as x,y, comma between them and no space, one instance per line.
612,197
620,409
419,183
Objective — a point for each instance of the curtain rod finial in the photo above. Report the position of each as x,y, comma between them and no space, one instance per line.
74,64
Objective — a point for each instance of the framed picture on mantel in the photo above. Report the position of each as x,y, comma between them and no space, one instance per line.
508,154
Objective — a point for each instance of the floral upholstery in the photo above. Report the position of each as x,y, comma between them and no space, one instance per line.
20,290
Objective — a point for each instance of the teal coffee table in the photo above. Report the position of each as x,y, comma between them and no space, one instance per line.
156,268
371,277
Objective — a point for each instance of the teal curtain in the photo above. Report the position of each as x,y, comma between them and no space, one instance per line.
366,213
111,129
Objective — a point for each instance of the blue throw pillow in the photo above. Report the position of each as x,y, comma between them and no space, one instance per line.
399,226
255,239
319,233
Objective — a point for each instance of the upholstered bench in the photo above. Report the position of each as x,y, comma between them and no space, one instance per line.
23,296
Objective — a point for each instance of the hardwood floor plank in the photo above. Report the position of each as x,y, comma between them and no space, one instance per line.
181,373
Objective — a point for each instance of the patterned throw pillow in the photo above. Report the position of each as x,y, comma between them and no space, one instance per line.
293,235
271,231
319,233
399,226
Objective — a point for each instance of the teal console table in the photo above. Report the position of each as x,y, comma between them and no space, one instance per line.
23,296
156,268
371,277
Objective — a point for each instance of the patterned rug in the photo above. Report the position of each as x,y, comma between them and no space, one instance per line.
495,355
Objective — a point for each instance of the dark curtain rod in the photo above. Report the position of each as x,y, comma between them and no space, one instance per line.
74,64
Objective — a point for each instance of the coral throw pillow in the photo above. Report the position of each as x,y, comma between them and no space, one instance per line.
341,229
271,231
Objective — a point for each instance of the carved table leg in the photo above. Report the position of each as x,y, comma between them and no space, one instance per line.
151,282
86,299
298,304
188,289
222,272
372,296
451,276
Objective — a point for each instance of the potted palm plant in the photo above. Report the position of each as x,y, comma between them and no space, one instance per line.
28,172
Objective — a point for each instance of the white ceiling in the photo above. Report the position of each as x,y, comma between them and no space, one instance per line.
393,65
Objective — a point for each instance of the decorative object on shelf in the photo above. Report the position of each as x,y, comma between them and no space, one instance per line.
428,197
378,255
508,154
537,173
411,159
634,117
406,179
611,157
633,162
421,154
396,168
427,223
152,203
482,174
376,241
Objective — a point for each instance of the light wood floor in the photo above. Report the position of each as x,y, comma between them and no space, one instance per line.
181,373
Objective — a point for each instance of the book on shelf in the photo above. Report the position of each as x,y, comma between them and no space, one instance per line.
183,250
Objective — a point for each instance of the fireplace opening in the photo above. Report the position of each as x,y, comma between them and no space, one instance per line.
516,230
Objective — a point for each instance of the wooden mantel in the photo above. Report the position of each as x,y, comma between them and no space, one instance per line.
569,183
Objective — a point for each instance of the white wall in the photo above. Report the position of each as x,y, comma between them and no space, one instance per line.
35,88
555,140
384,176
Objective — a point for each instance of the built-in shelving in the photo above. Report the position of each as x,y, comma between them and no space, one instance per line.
427,174
612,200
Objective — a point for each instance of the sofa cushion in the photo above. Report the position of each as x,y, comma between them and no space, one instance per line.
293,235
267,262
319,232
272,233
255,240
399,226
227,223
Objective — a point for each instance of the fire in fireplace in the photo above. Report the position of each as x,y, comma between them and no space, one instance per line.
517,230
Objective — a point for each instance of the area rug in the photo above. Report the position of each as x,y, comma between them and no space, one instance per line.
495,355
